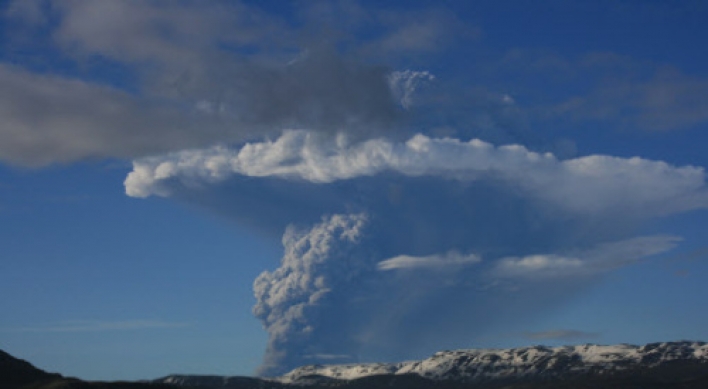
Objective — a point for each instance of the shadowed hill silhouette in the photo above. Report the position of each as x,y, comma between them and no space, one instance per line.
17,373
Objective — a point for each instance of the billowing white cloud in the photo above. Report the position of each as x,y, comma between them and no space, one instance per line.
585,185
449,259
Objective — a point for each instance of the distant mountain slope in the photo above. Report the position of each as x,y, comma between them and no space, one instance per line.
19,374
71,383
16,373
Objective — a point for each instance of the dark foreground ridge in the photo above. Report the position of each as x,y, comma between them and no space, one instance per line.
16,373
652,366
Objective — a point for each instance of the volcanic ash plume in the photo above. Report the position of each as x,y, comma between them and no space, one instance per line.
316,262
426,244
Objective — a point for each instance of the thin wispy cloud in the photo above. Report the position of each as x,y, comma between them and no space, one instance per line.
100,326
601,259
447,260
627,93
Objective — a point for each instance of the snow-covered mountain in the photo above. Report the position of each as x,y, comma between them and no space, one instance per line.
669,362
515,363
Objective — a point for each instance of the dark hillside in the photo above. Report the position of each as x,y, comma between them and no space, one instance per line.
16,373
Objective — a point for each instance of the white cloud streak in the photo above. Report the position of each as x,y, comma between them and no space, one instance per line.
540,265
440,261
600,259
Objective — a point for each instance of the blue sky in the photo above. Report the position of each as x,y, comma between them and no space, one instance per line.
158,158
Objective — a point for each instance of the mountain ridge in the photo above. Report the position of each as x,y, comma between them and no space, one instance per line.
663,365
